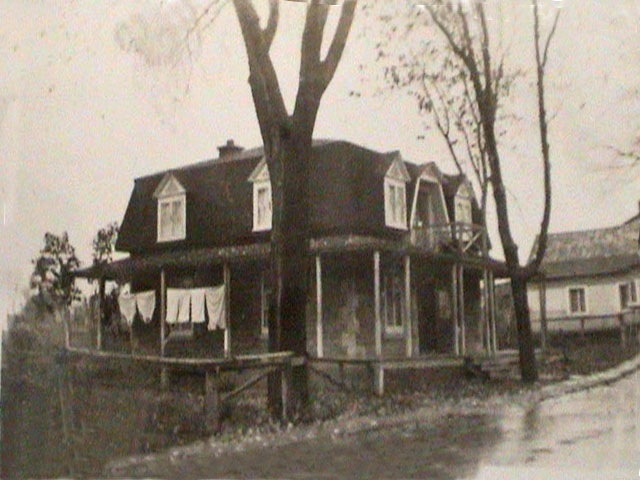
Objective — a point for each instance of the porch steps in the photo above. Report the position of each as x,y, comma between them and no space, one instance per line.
501,365
486,368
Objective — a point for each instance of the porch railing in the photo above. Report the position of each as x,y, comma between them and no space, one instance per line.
464,237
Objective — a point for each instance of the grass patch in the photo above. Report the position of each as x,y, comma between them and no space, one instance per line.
574,354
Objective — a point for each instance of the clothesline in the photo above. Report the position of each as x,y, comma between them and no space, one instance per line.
142,302
184,305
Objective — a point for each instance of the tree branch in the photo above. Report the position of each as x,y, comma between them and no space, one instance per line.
265,88
549,37
534,265
272,25
315,75
331,61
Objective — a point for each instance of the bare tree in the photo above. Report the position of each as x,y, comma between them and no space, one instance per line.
287,142
287,137
464,97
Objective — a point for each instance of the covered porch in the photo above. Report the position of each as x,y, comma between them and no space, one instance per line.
385,305
218,290
381,302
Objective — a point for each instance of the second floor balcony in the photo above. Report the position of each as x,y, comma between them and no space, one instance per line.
456,236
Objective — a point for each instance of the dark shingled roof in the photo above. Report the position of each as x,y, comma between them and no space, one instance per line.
592,252
345,197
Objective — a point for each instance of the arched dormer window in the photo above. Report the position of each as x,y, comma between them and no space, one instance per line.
262,204
462,204
172,209
395,195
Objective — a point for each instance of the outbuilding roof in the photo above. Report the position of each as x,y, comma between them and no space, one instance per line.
592,252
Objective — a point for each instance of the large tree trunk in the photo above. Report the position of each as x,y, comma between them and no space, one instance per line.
287,141
528,367
290,152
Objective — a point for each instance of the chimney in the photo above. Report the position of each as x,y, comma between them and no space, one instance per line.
229,150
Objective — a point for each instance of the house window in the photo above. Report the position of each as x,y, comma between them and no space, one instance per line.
395,204
577,300
628,294
393,303
172,218
463,210
262,206
172,209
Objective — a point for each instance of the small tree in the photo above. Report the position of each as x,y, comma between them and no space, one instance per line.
104,244
52,275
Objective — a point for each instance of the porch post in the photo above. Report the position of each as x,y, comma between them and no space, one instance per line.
101,294
163,310
492,306
463,340
543,312
408,324
227,308
378,371
319,319
376,297
486,315
454,307
164,372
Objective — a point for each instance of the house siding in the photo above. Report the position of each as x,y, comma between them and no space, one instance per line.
602,301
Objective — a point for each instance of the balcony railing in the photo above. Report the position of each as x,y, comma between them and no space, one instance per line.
463,237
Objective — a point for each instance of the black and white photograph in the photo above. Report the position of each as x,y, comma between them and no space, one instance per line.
320,239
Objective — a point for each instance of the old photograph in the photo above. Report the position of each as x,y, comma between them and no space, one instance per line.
320,239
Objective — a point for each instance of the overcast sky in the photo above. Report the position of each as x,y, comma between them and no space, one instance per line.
94,94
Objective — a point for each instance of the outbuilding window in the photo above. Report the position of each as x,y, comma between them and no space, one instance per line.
628,294
577,300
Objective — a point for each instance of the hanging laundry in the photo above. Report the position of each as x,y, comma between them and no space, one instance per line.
177,305
197,305
146,302
127,304
216,307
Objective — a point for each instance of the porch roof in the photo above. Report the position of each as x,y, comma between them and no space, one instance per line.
124,269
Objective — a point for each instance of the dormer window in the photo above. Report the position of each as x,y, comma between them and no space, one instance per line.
395,195
463,205
262,204
172,210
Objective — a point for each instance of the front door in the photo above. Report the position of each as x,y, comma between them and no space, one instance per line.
427,316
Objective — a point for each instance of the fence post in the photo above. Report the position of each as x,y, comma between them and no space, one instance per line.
286,390
212,399
623,332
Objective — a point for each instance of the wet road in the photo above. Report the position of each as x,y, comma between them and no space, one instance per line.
593,434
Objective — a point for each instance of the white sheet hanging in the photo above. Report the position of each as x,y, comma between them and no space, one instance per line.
197,305
216,307
178,305
146,302
127,305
